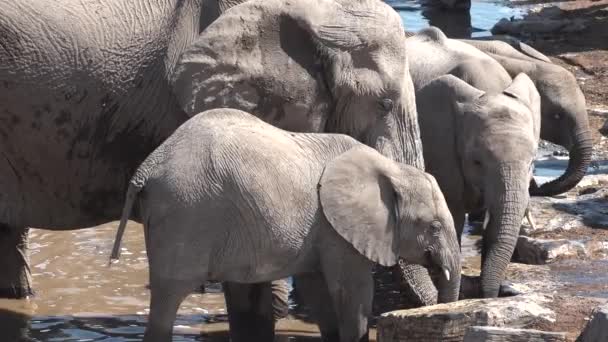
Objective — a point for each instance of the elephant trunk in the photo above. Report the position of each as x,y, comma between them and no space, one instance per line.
580,157
448,259
506,208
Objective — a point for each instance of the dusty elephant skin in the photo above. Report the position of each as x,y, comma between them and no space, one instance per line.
218,200
480,146
85,94
563,107
331,68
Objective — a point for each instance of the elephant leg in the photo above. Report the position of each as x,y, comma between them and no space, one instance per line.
15,280
254,308
313,291
351,287
165,299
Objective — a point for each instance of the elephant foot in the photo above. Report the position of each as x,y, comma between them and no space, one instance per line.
330,337
254,308
15,275
470,288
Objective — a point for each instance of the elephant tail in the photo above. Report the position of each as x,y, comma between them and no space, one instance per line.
131,196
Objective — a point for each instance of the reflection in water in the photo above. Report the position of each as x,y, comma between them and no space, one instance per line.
79,298
456,24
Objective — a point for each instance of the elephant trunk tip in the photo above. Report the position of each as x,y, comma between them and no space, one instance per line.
580,159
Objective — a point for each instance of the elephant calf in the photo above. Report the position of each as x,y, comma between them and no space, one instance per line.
480,146
229,197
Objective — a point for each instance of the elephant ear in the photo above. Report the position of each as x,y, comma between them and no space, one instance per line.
359,201
264,57
523,89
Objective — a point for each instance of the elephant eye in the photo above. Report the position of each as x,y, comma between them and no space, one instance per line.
386,104
435,226
477,162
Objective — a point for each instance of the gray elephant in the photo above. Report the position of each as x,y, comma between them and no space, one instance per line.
86,93
563,107
229,197
432,54
481,147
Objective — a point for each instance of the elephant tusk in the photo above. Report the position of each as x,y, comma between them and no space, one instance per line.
528,216
446,273
486,220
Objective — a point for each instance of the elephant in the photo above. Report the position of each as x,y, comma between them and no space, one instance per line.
88,90
432,54
480,146
229,197
563,106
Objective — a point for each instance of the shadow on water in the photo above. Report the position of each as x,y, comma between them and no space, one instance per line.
456,24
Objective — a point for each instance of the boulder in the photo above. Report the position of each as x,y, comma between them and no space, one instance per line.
449,322
497,334
534,251
597,328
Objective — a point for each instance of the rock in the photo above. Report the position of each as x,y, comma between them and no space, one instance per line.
534,25
604,128
448,322
495,334
533,251
597,329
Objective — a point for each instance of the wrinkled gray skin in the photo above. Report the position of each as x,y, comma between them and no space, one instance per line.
85,94
347,84
229,197
480,147
563,108
432,54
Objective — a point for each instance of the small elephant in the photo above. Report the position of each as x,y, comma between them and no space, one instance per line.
563,108
481,147
229,197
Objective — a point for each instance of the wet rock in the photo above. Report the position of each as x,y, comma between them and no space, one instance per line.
534,251
449,322
585,206
495,334
597,329
535,27
547,21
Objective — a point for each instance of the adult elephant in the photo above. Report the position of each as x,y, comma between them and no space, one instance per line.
432,54
86,95
563,107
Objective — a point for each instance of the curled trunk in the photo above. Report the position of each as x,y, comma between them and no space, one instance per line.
580,157
506,207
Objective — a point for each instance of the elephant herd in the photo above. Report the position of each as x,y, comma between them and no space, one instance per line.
262,139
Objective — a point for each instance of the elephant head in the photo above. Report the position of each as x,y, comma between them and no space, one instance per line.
564,122
332,66
563,107
482,151
388,210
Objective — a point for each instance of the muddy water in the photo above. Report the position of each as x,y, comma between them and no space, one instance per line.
79,298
